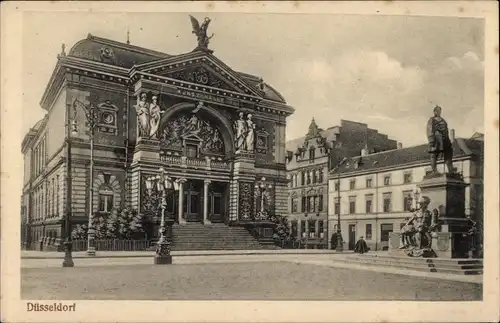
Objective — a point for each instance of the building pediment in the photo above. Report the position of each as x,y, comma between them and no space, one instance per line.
200,68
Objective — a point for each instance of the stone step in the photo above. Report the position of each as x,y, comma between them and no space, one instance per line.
419,266
445,261
427,261
196,236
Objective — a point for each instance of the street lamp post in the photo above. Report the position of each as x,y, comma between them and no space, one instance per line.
306,246
92,117
340,246
164,185
68,257
263,187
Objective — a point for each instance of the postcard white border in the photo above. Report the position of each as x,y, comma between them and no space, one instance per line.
14,310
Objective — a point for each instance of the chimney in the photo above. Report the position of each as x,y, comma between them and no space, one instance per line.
452,135
400,145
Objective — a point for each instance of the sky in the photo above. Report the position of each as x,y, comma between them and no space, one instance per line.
386,71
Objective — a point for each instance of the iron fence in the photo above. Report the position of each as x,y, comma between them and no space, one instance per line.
113,245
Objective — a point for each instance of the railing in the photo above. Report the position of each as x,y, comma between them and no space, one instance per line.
113,245
196,162
174,160
219,165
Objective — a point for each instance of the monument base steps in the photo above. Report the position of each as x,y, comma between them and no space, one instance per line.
450,266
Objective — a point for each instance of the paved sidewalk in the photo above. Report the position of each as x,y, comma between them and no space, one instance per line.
477,279
311,257
28,254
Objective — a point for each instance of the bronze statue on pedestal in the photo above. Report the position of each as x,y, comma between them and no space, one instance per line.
439,141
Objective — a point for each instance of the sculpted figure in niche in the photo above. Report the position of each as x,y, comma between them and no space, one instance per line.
155,115
250,138
240,129
439,141
193,126
143,116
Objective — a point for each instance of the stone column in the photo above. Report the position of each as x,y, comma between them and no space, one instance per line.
181,201
299,229
205,202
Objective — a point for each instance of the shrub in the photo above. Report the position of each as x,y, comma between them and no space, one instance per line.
118,224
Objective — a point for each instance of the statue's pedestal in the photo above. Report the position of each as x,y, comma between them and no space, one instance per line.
447,195
147,150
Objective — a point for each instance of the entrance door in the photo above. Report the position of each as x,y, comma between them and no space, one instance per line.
352,236
192,203
215,207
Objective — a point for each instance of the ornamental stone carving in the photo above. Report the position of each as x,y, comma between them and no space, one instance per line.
148,116
245,200
244,131
183,126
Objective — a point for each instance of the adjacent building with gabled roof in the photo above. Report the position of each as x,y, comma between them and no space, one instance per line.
373,193
309,159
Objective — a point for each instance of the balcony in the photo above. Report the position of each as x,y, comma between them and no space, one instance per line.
195,163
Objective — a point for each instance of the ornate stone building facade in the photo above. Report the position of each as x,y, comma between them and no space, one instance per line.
309,159
217,133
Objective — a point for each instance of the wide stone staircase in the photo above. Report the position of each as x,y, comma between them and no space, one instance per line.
439,265
196,236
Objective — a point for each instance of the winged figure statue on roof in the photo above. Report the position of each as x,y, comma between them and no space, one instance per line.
201,33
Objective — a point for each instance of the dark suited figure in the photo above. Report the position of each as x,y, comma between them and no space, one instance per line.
361,246
333,241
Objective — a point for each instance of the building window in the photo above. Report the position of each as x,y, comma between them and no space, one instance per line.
352,184
312,229
320,179
321,228
191,151
302,178
368,203
311,204
308,178
311,153
337,186
387,180
387,202
407,178
320,203
105,199
369,182
294,205
303,229
352,204
407,200
368,231
303,205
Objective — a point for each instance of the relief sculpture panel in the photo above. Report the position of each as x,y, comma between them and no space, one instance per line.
184,126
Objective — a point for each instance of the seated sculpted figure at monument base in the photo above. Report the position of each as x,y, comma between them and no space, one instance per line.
416,239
